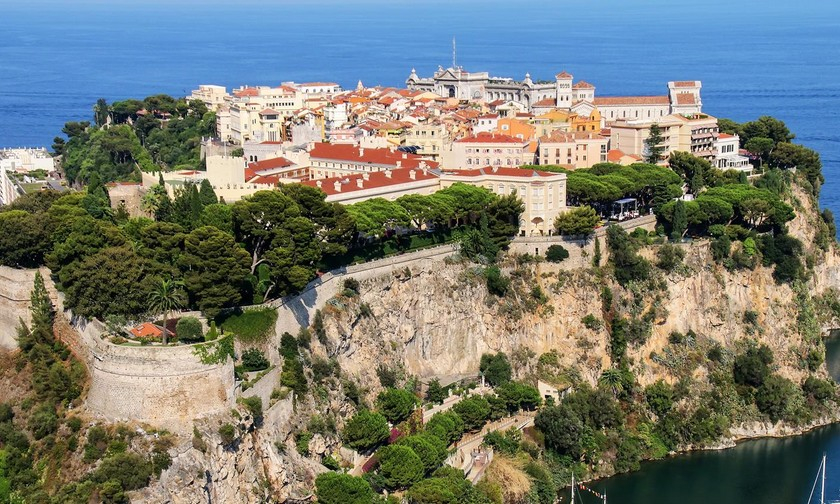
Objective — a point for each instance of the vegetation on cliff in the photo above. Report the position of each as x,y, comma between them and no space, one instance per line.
50,454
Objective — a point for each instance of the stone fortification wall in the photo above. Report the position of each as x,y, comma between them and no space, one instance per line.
580,251
15,287
265,386
297,311
165,387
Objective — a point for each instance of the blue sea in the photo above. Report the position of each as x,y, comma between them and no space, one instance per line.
780,58
754,57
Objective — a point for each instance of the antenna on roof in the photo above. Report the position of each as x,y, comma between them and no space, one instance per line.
454,55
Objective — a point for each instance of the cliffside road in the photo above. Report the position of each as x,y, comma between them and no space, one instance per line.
451,401
467,448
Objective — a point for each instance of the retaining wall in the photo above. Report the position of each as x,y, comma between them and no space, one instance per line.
15,287
297,311
264,386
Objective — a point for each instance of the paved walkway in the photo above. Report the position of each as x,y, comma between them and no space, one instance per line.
468,446
451,401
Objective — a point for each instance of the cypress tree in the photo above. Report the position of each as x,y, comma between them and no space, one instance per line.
653,144
680,223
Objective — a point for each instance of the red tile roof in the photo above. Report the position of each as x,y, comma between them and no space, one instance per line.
615,155
583,85
318,84
725,135
350,183
269,164
269,111
690,83
248,91
685,99
563,75
485,137
387,157
631,100
546,102
147,330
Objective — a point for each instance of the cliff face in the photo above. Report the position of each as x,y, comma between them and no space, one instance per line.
437,320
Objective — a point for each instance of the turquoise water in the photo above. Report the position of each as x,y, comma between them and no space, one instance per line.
766,471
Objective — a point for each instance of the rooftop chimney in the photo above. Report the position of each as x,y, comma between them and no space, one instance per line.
399,164
361,152
405,155
412,175
337,186
388,173
366,176
360,182
318,183
495,169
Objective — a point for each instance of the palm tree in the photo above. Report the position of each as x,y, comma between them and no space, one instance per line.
612,378
166,296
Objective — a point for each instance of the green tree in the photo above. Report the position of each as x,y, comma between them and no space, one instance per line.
435,393
338,488
679,225
613,379
400,466
628,264
396,404
214,268
762,147
206,194
447,426
654,145
773,396
24,239
366,430
660,398
430,449
166,297
100,112
577,221
562,428
766,127
495,368
218,215
93,290
753,366
188,329
691,168
474,411
556,253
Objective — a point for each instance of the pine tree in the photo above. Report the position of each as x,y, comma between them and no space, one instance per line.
208,195
596,257
680,223
654,144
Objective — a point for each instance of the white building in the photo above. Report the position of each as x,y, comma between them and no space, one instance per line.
543,193
212,96
25,160
727,156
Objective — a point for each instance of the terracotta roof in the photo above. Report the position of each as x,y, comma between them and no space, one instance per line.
563,75
248,91
147,330
583,85
350,183
685,99
546,102
689,83
615,155
269,111
502,172
631,100
725,135
343,152
485,137
269,164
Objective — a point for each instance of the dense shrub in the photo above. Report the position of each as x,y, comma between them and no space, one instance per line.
497,283
495,368
366,430
669,257
474,411
254,360
396,404
556,253
400,466
753,366
336,488
129,469
188,330
447,426
817,389
228,433
430,449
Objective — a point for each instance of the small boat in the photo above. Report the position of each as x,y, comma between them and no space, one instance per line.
821,478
